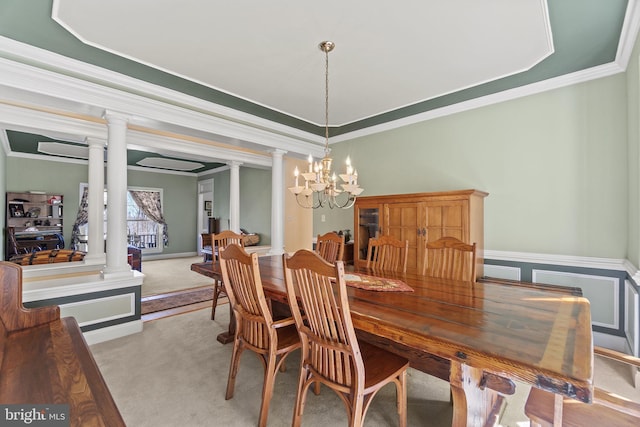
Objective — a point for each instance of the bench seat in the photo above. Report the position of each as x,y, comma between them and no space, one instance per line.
45,359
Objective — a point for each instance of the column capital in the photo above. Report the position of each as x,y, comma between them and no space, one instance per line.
115,117
234,164
277,152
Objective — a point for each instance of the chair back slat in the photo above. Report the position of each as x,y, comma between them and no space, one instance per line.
328,336
450,258
330,246
387,253
222,240
241,277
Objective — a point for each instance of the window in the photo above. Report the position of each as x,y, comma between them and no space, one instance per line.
150,235
143,232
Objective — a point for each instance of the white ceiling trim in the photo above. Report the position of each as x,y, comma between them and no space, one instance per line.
495,98
34,121
219,120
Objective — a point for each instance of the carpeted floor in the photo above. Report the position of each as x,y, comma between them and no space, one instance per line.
174,373
168,275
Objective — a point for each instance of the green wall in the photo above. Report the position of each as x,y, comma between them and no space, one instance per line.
255,200
633,158
180,194
554,163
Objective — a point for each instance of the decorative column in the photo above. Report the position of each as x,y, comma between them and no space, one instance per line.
95,200
277,203
117,195
234,197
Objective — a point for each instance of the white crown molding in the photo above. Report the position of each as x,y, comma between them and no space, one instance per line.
201,115
564,260
495,98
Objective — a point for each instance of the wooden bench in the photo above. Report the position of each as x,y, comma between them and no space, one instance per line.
45,360
49,256
546,409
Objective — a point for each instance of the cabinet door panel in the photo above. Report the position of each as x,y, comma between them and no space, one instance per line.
447,219
404,222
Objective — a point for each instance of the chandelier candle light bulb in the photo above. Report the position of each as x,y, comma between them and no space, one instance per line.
320,182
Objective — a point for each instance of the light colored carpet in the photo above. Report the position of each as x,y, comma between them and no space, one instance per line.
166,275
174,373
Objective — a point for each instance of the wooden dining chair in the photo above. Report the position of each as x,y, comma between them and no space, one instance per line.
450,258
331,354
221,240
330,246
272,341
387,253
612,410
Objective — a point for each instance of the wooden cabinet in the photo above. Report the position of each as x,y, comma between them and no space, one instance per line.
421,218
34,220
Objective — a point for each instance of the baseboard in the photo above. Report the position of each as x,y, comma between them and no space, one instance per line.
112,332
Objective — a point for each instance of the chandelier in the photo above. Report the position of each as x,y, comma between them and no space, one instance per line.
320,182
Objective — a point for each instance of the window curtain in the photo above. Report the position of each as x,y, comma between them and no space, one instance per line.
149,202
81,219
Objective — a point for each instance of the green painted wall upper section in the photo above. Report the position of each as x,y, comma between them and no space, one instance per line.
554,165
633,122
255,200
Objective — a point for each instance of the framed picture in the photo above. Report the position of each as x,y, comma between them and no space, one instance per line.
207,205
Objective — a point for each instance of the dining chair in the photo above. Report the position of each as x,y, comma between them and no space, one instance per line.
221,240
331,354
330,246
450,258
612,410
272,341
387,253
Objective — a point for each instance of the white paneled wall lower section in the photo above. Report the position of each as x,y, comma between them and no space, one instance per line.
99,310
502,272
632,317
602,292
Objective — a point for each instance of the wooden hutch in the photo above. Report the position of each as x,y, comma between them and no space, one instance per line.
421,218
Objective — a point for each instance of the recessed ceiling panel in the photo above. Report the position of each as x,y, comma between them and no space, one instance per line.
64,150
162,163
388,54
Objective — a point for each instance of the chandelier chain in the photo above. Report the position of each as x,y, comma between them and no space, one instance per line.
326,100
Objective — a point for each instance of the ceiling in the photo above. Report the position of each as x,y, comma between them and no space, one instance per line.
391,61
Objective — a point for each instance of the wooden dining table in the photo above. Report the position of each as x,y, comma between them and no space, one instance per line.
481,337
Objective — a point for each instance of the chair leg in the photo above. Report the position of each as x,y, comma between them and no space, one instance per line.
233,369
401,395
267,389
300,398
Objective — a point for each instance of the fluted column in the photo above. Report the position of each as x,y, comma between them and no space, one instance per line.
95,199
277,203
117,195
234,197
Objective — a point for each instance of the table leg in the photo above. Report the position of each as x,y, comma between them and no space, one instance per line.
228,335
473,404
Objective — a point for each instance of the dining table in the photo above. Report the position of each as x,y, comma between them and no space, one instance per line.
482,337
